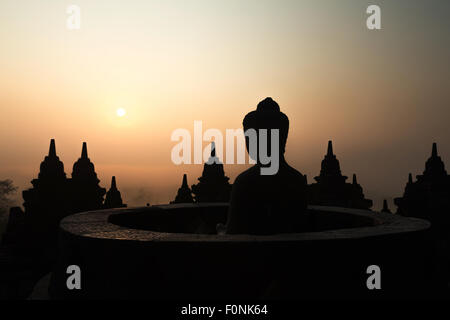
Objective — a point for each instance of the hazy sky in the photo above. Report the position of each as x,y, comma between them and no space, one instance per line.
382,96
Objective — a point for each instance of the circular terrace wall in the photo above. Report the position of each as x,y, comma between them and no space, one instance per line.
173,251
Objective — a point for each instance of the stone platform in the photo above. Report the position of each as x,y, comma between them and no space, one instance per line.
173,252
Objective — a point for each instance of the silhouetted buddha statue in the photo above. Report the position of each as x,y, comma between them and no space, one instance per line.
268,204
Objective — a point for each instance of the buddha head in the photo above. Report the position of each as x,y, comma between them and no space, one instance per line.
266,118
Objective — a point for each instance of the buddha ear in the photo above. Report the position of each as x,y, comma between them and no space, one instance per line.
283,140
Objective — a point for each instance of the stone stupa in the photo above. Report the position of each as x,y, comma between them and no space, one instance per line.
213,185
331,188
184,194
428,196
86,192
113,197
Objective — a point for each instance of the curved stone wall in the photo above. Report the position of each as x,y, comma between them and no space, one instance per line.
171,251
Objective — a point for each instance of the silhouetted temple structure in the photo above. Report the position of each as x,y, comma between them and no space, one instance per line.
85,190
429,196
331,188
45,203
113,198
213,185
184,194
49,188
385,207
52,197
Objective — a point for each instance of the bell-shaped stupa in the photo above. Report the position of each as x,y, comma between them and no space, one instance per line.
184,194
113,197
51,169
86,192
330,170
331,188
428,195
48,188
213,185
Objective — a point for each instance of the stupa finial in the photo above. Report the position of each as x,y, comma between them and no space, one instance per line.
213,149
355,181
52,149
184,184
113,183
84,154
330,148
410,178
434,152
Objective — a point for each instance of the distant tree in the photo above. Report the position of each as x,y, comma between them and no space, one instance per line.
6,190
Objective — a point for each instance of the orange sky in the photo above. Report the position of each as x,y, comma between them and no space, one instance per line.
381,96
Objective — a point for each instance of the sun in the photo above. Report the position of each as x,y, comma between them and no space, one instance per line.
121,112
